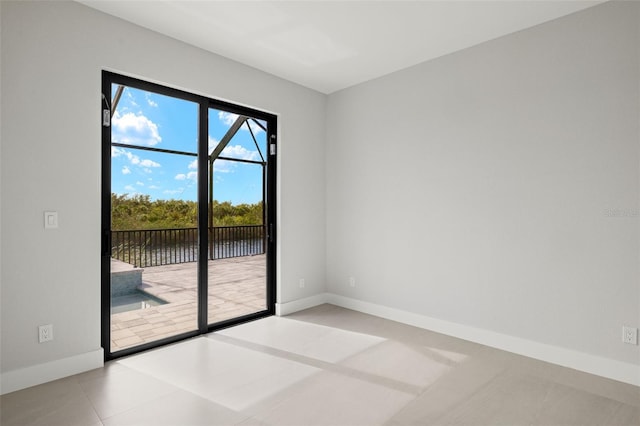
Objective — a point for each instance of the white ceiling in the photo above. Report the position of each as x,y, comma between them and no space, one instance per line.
331,45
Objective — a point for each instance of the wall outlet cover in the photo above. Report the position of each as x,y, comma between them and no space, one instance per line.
45,333
630,335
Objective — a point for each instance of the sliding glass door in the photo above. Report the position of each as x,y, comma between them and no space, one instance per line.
187,190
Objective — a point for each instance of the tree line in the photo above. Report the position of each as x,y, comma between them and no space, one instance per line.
129,212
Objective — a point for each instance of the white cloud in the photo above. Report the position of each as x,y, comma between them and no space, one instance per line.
238,151
189,176
117,152
229,118
134,160
149,163
134,129
153,187
220,166
223,166
129,188
140,183
213,142
232,151
150,101
132,100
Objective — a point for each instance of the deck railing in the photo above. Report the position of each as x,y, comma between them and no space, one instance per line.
156,247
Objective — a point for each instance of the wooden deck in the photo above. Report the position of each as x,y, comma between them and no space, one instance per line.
237,286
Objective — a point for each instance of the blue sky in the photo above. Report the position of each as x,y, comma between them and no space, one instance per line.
148,119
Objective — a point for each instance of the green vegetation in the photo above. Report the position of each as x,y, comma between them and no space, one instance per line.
139,212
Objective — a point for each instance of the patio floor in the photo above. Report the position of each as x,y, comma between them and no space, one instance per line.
237,286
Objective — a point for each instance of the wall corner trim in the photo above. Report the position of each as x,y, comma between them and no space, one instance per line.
592,364
22,378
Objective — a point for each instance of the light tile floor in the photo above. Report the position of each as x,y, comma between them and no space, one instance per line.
325,366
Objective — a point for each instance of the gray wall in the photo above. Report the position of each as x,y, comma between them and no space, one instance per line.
52,56
476,188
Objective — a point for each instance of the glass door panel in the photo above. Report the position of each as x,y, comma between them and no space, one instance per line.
237,279
154,218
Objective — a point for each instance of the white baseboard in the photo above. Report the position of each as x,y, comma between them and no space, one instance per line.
600,366
22,378
300,304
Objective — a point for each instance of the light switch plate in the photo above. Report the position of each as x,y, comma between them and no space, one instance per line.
50,220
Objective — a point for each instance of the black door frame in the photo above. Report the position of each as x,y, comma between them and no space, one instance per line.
204,103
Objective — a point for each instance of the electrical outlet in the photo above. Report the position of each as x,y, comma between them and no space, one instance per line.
301,282
630,335
352,281
45,333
